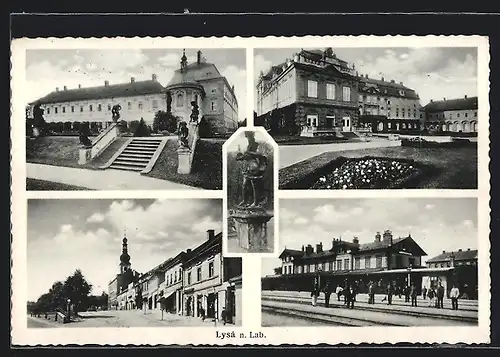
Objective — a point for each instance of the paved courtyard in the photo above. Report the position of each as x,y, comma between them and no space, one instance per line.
124,318
100,179
291,154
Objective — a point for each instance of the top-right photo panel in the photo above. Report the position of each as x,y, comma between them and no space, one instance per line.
371,118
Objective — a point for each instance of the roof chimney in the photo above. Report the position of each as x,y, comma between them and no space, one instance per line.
460,250
432,100
468,249
319,247
387,238
444,251
57,89
106,83
392,81
198,57
79,86
154,77
303,248
444,99
309,249
65,88
382,79
210,234
188,250
465,96
355,240
132,79
401,83
377,237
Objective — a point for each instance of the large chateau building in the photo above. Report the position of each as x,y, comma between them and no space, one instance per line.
317,93
200,82
194,281
452,115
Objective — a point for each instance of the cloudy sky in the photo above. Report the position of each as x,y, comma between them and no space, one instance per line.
48,69
435,224
433,72
241,142
65,235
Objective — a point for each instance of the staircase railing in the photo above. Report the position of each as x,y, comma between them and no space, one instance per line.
99,144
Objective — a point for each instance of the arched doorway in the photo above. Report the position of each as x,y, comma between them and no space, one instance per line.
466,127
444,127
474,126
449,126
380,126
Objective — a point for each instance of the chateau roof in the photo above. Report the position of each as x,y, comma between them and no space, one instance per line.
129,89
195,72
459,255
386,87
379,245
452,104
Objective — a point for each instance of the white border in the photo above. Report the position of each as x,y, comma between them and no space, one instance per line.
251,267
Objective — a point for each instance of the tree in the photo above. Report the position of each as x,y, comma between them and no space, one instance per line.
38,119
164,121
142,129
277,271
77,289
169,103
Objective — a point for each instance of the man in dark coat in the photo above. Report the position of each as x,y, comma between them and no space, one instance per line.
390,292
316,288
371,293
327,289
413,294
407,293
351,296
440,296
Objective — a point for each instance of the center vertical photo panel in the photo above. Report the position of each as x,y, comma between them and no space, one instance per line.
250,171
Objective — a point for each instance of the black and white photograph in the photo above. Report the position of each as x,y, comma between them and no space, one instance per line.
250,166
143,119
374,262
129,263
371,117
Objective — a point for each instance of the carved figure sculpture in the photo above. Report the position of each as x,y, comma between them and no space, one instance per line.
253,174
194,112
183,132
115,112
84,139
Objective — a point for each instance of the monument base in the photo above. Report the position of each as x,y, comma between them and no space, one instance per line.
251,228
84,155
184,156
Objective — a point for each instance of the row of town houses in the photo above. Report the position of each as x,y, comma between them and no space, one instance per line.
195,281
315,93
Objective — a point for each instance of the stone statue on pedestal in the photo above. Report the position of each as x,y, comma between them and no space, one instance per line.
183,132
194,112
253,174
115,112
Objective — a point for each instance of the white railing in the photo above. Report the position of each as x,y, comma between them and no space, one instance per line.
104,139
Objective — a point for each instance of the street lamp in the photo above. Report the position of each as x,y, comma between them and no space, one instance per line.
69,308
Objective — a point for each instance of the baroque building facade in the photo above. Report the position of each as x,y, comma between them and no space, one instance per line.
452,115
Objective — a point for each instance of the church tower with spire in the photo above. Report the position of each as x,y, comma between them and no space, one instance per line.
124,257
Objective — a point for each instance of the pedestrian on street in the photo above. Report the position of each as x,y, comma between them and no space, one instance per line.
407,293
163,304
223,315
316,288
432,295
440,296
350,296
371,293
454,294
413,294
338,292
424,292
390,291
328,291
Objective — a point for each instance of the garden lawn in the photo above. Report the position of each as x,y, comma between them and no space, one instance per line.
456,167
42,185
301,140
64,151
207,165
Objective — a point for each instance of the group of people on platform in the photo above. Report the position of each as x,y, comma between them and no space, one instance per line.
349,291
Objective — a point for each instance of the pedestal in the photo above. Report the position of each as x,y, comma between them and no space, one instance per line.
251,229
184,156
84,156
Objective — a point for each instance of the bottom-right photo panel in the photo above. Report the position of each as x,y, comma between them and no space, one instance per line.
373,262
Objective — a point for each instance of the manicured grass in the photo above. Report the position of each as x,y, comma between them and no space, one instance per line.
42,185
207,165
300,140
452,168
64,151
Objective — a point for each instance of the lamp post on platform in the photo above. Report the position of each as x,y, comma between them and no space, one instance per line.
409,275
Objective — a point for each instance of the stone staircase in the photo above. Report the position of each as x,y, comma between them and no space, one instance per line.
138,154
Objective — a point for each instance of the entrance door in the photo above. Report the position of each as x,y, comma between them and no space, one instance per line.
330,121
211,303
346,124
230,305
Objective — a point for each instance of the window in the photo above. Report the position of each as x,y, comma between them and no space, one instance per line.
330,266
210,269
330,91
109,107
339,264
129,105
99,107
139,105
189,278
90,107
64,109
81,108
346,264
312,89
379,261
311,268
180,100
213,106
465,115
155,104
357,263
55,110
346,94
388,102
198,274
72,109
475,114
307,268
48,110
312,120
175,277
367,262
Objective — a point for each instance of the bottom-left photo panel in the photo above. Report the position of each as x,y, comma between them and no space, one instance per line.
129,263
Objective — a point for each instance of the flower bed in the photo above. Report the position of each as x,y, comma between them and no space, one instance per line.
422,143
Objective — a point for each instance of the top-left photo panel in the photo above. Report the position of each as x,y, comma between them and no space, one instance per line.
131,119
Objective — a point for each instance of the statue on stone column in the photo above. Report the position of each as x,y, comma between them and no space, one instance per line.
194,112
253,174
84,137
115,112
183,132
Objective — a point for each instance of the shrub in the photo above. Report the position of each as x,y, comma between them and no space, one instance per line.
142,129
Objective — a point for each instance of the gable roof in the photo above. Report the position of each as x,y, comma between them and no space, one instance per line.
203,248
102,92
459,255
291,252
386,88
195,72
378,245
452,104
